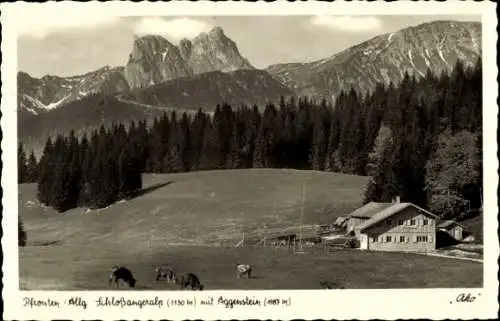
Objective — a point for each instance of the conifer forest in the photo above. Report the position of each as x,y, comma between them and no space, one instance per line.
420,139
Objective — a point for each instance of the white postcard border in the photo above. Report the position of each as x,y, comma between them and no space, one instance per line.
311,304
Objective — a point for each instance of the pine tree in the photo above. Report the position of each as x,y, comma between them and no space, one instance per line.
185,145
174,152
22,169
32,168
157,147
197,128
46,174
223,126
209,153
86,158
320,141
61,183
234,159
130,179
383,186
384,137
21,233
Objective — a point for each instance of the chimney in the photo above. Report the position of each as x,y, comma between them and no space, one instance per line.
396,199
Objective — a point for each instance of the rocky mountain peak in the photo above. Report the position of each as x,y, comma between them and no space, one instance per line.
217,32
215,51
154,59
147,46
185,46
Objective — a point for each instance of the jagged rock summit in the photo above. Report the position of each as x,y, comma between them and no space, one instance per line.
154,59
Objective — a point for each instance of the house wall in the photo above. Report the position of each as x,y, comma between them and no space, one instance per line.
353,222
403,237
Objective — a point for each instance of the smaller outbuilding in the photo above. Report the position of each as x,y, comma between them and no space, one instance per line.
452,228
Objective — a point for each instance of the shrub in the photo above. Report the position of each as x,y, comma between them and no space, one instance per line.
22,237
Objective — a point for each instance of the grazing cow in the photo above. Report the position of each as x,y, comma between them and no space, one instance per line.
242,270
121,273
191,280
165,273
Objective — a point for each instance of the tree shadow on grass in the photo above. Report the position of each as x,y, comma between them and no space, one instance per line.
44,243
444,240
147,190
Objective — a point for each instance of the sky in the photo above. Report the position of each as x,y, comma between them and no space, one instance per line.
74,45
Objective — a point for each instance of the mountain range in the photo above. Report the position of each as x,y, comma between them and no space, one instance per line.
435,46
209,69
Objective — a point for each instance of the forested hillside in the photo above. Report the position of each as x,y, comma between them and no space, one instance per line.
420,139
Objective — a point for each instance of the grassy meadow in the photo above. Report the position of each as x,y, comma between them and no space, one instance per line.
192,221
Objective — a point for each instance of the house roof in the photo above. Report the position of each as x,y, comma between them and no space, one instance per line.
450,223
390,211
370,209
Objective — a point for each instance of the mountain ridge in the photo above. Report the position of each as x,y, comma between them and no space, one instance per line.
435,45
152,60
384,58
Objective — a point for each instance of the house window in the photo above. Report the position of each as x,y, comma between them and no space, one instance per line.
388,222
412,222
374,239
426,222
401,239
388,238
401,222
422,238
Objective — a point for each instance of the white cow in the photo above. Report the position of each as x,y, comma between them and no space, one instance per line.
243,269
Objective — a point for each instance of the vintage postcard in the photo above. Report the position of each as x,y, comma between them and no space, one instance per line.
202,160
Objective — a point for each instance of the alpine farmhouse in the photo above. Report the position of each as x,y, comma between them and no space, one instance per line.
395,226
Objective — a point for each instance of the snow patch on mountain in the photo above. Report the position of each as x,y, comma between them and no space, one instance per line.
31,110
35,102
57,103
440,53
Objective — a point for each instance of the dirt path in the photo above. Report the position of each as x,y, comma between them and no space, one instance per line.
161,108
453,257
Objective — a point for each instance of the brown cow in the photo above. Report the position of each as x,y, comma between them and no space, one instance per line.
192,281
165,273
